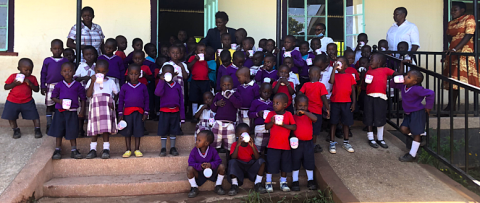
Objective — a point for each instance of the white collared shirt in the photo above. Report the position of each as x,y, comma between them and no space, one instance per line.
407,32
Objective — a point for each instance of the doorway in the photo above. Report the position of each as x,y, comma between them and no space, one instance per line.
187,15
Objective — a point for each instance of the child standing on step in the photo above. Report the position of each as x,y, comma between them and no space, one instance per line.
115,63
204,114
101,117
222,69
249,91
267,70
122,45
199,84
282,85
65,122
237,62
258,111
204,157
84,72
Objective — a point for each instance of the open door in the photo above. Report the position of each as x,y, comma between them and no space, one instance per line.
210,9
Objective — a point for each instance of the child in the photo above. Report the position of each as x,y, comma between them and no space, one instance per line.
180,68
69,54
226,62
65,122
282,85
290,51
172,110
115,63
149,61
133,107
138,58
332,53
279,154
164,51
350,55
317,96
101,117
205,114
122,45
238,61
200,82
322,61
226,104
366,52
315,46
247,45
257,63
343,103
306,56
202,157
362,40
267,70
270,47
151,51
137,45
245,162
414,121
19,99
364,64
383,45
50,76
226,39
258,111
291,76
304,154
261,45
84,72
240,35
212,66
249,91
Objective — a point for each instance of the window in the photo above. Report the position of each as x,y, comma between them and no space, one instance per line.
303,15
4,17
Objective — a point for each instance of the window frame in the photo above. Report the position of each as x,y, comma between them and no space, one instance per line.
345,15
306,16
9,35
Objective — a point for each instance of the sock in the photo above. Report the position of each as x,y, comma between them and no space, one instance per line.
370,135
57,148
258,179
49,119
219,180
309,174
234,181
106,145
345,141
15,129
283,179
37,127
172,142
295,175
380,133
164,142
269,178
193,183
93,146
194,108
414,149
74,148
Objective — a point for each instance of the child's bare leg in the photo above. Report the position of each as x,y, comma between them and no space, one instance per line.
128,143
333,129
36,123
191,172
106,137
137,143
404,130
346,129
221,169
58,142
261,170
191,175
13,124
94,138
73,143
283,174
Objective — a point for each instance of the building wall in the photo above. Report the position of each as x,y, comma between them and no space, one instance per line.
38,22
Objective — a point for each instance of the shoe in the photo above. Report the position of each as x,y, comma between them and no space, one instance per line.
163,152
260,189
76,154
56,155
372,143
311,185
269,187
138,153
332,149
92,154
17,134
318,148
233,190
423,138
219,190
127,154
407,158
38,133
173,151
382,143
106,154
284,187
348,147
193,192
295,186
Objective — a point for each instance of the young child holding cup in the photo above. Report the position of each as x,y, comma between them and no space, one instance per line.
200,82
247,48
307,62
204,114
259,111
249,91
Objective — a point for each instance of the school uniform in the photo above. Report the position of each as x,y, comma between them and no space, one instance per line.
298,61
262,74
249,92
324,79
232,72
121,54
304,68
375,109
221,71
196,159
244,166
179,78
284,89
101,118
84,70
262,135
254,70
172,110
128,60
224,127
146,71
212,72
50,76
20,100
341,99
115,69
248,60
200,82
65,121
279,154
314,91
304,153
133,103
207,119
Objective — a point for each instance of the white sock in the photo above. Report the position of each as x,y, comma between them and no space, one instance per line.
93,146
193,183
194,108
380,133
269,178
309,174
106,145
234,181
295,175
258,179
414,149
283,179
370,135
219,180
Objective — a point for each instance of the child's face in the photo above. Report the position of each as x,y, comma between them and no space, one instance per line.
138,45
288,62
283,72
289,44
200,50
201,141
269,63
363,63
247,45
109,48
238,61
262,44
410,79
25,68
266,92
315,44
164,51
243,77
240,132
304,49
351,57
207,99
182,36
151,51
67,73
366,51
278,104
362,38
302,104
192,47
101,69
138,59
402,47
383,44
332,51
133,75
257,59
69,55
226,84
174,53
89,55
87,17
226,41
270,46
122,43
57,50
226,59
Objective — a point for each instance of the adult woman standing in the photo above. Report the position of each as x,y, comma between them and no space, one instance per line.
92,33
213,35
402,30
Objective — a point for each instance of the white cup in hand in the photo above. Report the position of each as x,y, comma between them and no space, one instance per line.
99,78
201,56
20,77
66,103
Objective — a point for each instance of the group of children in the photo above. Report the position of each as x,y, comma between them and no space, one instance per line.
265,116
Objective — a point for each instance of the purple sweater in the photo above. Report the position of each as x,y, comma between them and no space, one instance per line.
115,67
232,72
220,73
248,93
229,111
133,96
413,97
171,96
248,61
74,91
262,74
196,159
257,106
305,67
297,60
51,71
150,64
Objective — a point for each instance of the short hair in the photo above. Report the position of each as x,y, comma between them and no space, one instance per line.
238,54
25,60
367,46
225,53
265,85
208,92
134,66
242,126
291,37
250,39
90,47
321,24
300,97
460,5
167,66
120,36
314,68
200,45
136,40
320,58
70,49
148,45
242,30
282,96
70,64
403,42
102,62
111,40
364,58
56,41
222,15
225,34
259,53
138,52
383,58
262,40
348,51
303,43
270,40
331,44
269,56
362,34
418,75
88,8
404,10
316,39
209,135
225,77
283,66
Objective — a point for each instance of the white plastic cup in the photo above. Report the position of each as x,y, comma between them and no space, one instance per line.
245,137
399,79
66,103
354,76
309,61
318,51
267,80
99,78
141,74
250,52
368,79
265,114
20,77
383,49
219,51
233,46
259,49
121,125
168,77
279,119
339,65
362,44
253,72
207,172
201,56
287,54
294,142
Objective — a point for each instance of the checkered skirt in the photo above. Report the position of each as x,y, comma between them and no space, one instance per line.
101,119
202,125
224,134
48,94
242,116
262,136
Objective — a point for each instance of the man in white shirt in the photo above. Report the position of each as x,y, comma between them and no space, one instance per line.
320,29
402,30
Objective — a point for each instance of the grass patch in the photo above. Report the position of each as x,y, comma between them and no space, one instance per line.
318,196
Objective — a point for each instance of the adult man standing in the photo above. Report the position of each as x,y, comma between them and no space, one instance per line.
402,30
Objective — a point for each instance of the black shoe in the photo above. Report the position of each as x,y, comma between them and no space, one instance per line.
233,190
163,152
382,143
173,151
219,190
56,155
76,154
106,154
407,158
260,188
92,154
38,133
311,185
16,133
193,192
372,143
423,142
295,186
318,148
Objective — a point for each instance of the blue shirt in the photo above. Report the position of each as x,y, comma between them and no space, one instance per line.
212,69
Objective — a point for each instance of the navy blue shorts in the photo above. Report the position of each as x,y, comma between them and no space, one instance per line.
28,110
168,124
303,155
340,112
242,169
197,89
375,111
317,125
135,126
64,124
415,121
201,179
279,160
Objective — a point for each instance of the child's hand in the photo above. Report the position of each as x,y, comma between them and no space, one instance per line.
206,165
144,117
251,144
328,113
120,118
352,107
220,103
300,112
260,114
26,80
93,78
44,91
247,54
272,120
197,58
17,83
407,61
428,111
82,113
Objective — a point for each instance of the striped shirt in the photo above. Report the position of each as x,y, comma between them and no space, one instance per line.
93,37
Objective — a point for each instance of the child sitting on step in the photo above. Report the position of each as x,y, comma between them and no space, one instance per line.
204,114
